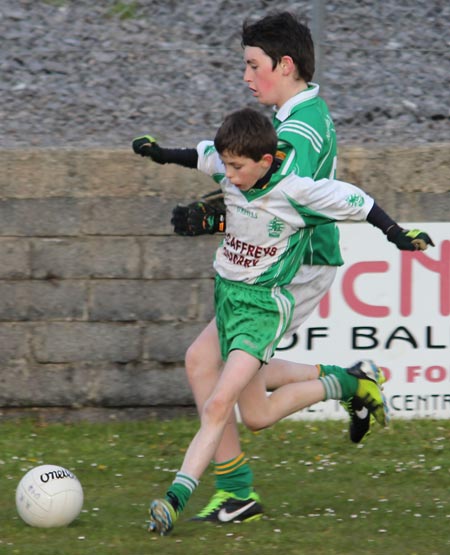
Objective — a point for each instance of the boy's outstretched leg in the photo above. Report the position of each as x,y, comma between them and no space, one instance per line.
343,384
283,372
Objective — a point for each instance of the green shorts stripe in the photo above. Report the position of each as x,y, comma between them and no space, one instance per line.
251,318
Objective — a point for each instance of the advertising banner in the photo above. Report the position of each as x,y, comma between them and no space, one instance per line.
392,307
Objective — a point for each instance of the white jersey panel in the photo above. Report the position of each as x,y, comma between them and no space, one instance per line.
265,228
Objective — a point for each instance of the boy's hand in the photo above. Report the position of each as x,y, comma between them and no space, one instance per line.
197,218
147,146
409,239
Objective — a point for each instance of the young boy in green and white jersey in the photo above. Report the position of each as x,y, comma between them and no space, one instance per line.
269,212
279,57
279,62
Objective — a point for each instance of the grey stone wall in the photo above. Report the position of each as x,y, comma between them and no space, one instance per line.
99,299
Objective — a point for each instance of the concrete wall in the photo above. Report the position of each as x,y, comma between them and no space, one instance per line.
98,298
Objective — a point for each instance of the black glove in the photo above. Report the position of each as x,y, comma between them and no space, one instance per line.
197,218
409,239
147,146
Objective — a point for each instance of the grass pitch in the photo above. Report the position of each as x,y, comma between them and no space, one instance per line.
322,494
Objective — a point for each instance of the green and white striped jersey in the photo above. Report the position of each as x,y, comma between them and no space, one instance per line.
307,136
269,229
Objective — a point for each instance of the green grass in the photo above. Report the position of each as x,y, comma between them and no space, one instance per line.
322,494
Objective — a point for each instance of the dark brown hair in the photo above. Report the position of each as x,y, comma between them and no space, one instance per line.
282,34
246,133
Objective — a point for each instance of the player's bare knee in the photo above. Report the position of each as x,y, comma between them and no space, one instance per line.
217,408
252,421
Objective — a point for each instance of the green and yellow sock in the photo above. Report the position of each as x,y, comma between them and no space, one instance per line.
234,476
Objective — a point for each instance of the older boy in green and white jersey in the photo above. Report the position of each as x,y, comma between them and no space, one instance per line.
306,134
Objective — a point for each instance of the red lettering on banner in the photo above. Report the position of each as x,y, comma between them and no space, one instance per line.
412,372
359,306
442,267
433,374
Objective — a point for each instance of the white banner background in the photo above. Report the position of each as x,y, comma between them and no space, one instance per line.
392,307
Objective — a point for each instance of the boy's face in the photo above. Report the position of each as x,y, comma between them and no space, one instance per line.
244,172
265,82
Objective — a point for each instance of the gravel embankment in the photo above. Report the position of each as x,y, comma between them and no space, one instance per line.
74,73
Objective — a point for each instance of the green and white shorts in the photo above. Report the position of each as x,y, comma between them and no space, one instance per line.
309,286
251,318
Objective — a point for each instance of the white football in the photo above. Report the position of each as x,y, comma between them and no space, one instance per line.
49,496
